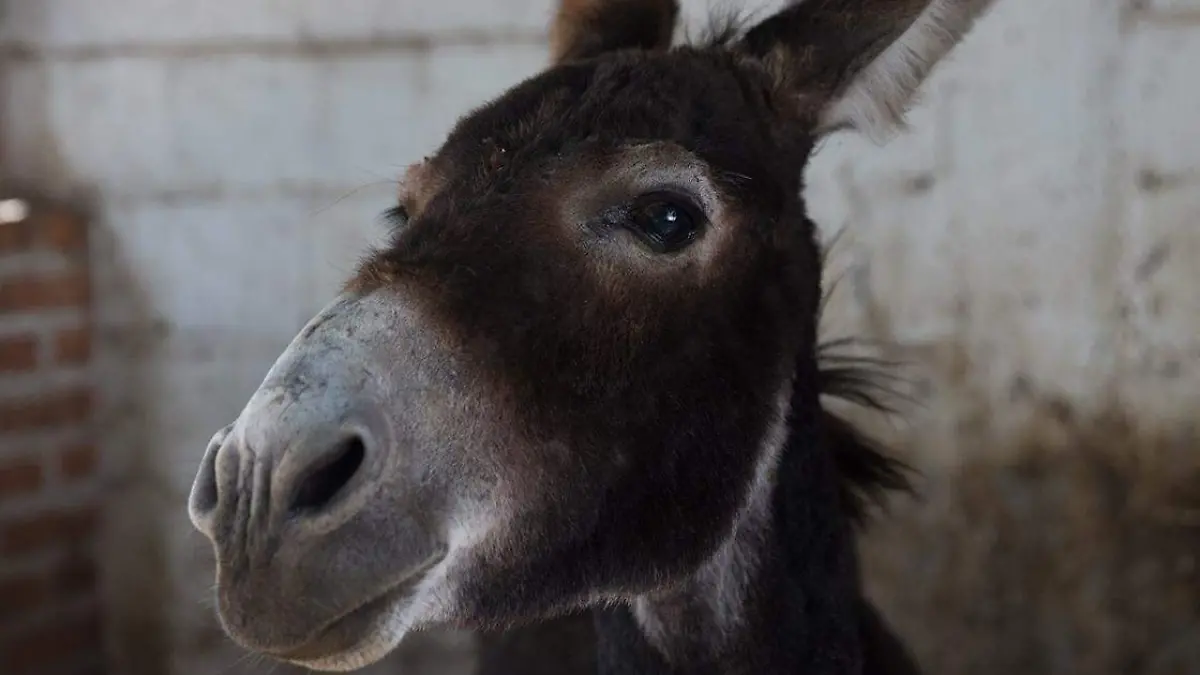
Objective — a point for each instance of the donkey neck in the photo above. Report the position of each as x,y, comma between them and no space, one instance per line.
780,596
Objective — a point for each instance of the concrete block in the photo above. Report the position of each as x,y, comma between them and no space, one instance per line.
25,128
1159,104
365,18
246,120
122,144
74,24
1161,320
80,23
1181,8
379,116
342,229
885,239
1026,103
220,264
125,142
386,111
1161,175
1033,205
472,75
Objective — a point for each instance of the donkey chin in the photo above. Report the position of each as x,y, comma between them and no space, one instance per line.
368,632
348,507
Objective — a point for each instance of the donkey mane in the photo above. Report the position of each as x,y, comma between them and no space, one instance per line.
867,474
867,471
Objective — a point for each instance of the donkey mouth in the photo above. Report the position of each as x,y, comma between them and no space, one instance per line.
349,632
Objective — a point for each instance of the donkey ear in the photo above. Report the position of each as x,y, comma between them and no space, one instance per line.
586,28
858,63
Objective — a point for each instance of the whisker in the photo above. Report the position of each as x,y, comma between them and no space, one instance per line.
347,195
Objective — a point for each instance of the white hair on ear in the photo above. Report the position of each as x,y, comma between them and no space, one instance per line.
877,98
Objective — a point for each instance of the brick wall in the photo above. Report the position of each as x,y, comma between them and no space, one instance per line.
49,468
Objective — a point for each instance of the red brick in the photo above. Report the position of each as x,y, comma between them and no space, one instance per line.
73,346
50,410
67,581
19,477
56,231
18,353
42,291
61,231
21,595
16,237
75,576
79,461
59,640
47,530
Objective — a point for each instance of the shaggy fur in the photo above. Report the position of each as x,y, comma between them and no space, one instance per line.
586,28
864,63
522,407
867,474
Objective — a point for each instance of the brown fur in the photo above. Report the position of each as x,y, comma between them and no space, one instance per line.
523,406
420,182
587,28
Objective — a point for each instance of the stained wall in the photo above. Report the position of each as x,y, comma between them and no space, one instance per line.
1029,252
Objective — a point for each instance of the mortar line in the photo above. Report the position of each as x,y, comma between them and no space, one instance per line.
298,47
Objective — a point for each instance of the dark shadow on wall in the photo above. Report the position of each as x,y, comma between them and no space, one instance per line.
563,646
134,556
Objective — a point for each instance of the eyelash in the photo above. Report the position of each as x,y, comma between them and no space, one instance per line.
396,217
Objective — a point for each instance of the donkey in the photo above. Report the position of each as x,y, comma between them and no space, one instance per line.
584,372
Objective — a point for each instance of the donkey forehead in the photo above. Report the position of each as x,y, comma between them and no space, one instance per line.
544,229
703,101
591,171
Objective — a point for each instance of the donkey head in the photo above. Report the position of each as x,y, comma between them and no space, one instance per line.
561,381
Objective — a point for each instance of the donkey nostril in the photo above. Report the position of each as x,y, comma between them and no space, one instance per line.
206,488
205,494
325,480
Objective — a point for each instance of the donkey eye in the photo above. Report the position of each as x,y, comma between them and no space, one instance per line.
665,223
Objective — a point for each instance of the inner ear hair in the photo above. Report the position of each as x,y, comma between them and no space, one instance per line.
584,29
859,63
